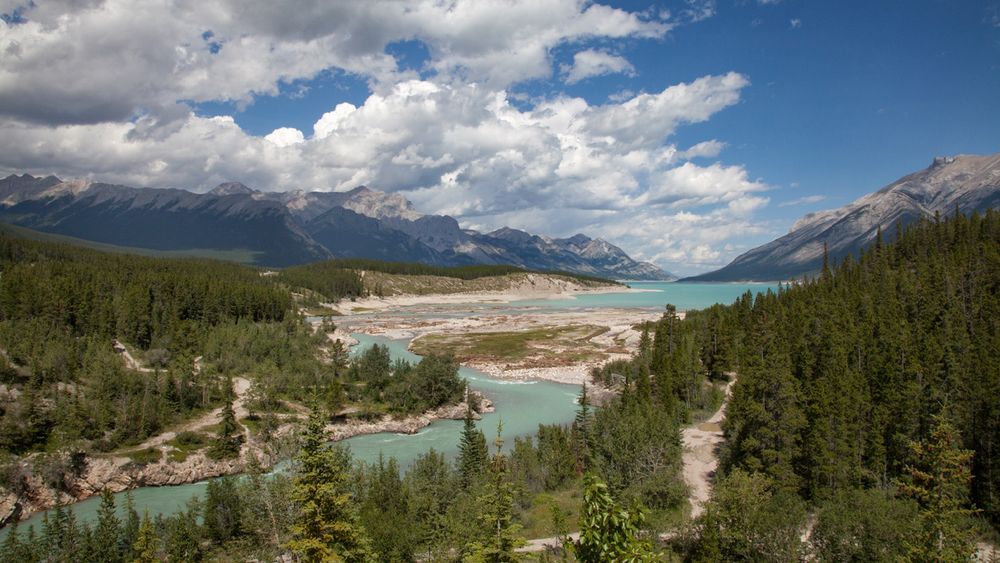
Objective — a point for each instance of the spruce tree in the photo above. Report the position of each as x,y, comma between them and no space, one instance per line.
12,543
939,481
146,547
327,526
643,387
230,438
108,533
130,530
496,515
472,452
582,433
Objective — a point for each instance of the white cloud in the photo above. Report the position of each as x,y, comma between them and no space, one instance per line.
704,149
100,89
286,136
698,10
90,62
803,200
590,63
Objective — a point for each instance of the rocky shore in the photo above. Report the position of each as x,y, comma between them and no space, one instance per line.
118,473
406,425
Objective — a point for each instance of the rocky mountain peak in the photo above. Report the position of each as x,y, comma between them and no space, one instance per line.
379,205
232,188
964,182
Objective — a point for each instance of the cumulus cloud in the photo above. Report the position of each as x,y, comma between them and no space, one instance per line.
101,89
590,63
92,62
459,149
285,136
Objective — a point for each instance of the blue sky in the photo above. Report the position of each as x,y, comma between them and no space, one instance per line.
685,132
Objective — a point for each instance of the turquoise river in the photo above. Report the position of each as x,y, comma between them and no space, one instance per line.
520,405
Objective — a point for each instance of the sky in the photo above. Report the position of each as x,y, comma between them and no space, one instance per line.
685,132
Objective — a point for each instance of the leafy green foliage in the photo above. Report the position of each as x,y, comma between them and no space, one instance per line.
609,532
864,525
748,521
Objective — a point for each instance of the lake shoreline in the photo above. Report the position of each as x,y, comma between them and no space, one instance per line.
119,473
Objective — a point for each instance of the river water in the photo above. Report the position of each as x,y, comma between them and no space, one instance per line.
520,405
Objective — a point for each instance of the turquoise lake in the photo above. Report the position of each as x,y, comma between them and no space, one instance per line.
520,405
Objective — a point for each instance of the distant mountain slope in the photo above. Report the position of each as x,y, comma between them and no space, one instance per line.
966,183
285,228
159,219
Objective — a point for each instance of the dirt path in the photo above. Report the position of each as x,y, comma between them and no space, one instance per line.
130,361
700,458
241,386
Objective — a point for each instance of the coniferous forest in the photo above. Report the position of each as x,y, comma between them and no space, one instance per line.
863,422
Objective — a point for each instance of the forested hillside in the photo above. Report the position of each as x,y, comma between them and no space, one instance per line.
872,390
100,353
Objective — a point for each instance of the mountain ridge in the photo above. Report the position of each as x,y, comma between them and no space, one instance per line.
293,227
964,182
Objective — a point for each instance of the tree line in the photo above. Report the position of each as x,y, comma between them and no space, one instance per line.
867,396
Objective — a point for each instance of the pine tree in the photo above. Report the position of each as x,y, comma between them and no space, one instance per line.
72,543
582,433
12,543
645,344
184,544
326,528
131,529
496,515
643,387
108,534
227,443
146,547
939,481
472,452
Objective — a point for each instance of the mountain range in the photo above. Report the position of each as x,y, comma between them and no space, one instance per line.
964,183
294,227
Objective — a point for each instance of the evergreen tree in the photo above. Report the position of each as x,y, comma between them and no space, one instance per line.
496,515
147,544
108,533
184,543
12,543
230,438
939,481
472,452
643,388
326,528
130,530
582,433
223,511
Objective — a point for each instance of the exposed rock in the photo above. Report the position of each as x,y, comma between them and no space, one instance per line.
285,228
118,474
966,183
405,425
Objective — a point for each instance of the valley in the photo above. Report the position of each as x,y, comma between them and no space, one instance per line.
557,347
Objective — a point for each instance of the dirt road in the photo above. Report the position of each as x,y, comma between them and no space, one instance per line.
701,459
